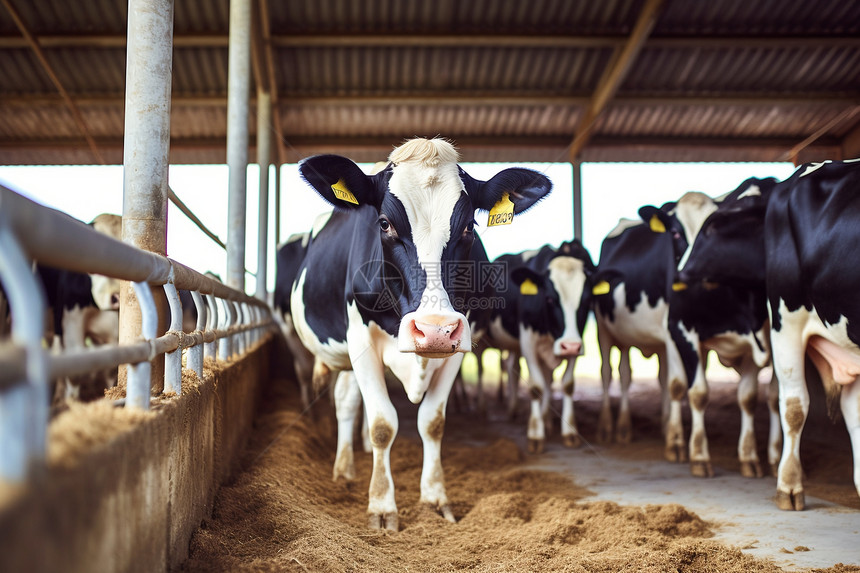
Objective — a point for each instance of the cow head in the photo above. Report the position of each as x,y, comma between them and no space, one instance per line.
730,248
557,295
424,206
680,219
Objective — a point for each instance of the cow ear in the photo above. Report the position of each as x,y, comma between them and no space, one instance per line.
657,219
341,182
522,187
527,280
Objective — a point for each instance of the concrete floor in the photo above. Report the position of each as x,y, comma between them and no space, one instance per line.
741,509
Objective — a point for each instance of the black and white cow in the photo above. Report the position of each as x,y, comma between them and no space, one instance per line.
632,292
799,243
728,320
554,295
371,293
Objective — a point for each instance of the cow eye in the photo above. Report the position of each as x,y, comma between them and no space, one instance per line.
469,230
384,224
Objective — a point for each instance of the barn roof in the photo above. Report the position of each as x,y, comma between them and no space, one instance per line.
507,80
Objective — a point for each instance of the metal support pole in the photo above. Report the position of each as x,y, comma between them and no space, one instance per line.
577,199
238,85
212,324
147,141
277,207
264,145
225,320
139,375
173,360
195,353
24,407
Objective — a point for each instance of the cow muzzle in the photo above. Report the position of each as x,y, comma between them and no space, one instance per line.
434,335
567,348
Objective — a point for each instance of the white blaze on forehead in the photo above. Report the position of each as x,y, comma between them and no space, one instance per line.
427,182
568,277
692,209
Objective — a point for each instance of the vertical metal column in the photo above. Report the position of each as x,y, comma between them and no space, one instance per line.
277,208
577,199
146,147
238,84
264,144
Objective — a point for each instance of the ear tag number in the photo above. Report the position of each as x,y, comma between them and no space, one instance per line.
657,225
601,288
502,212
528,288
342,193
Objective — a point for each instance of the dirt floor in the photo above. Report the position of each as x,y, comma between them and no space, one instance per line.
284,513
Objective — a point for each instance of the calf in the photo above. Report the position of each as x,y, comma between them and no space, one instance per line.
371,293
798,244
554,294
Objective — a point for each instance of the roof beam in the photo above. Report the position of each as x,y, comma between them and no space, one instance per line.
615,74
448,98
33,43
841,119
52,41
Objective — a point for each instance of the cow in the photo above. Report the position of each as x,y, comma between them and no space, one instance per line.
632,292
730,321
288,260
371,292
547,302
798,244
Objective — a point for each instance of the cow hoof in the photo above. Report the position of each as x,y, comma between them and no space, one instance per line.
347,476
389,521
701,469
624,436
674,454
790,502
751,470
572,440
536,446
604,435
447,513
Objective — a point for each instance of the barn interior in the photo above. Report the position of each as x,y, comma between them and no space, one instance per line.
508,81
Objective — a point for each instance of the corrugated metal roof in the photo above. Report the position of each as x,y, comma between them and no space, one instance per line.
507,80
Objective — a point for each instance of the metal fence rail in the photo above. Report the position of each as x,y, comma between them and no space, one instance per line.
228,322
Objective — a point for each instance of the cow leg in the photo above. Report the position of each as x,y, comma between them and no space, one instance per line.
774,441
481,402
569,432
74,333
303,361
789,368
383,422
699,395
672,394
347,400
604,422
850,402
512,366
747,401
546,400
624,429
431,428
536,432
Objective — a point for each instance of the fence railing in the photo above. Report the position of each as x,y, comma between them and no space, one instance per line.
228,322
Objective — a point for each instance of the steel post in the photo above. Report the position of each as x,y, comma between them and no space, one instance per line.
264,149
238,86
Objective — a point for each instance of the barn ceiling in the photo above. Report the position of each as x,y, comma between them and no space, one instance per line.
507,80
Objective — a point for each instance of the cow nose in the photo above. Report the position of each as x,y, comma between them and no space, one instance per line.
437,334
570,348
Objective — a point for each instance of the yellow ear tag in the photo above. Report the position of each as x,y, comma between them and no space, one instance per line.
527,287
677,287
502,212
656,224
342,193
601,288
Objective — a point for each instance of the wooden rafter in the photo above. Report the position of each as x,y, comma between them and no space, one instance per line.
33,43
614,75
843,118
